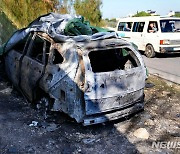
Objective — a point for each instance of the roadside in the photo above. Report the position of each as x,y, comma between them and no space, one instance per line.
23,129
166,66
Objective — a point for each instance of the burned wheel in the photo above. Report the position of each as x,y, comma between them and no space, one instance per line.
149,52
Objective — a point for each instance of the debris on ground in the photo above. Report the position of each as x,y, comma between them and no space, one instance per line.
141,133
52,127
6,90
33,124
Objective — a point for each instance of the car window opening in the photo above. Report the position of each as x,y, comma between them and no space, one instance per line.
138,26
57,57
152,27
112,59
47,50
37,49
125,26
20,47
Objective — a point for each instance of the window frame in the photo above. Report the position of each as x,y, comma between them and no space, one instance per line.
137,26
123,26
51,54
44,53
153,21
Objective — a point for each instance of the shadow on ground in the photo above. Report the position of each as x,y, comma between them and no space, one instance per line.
164,55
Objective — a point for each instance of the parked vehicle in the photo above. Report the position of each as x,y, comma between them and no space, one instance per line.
154,34
92,78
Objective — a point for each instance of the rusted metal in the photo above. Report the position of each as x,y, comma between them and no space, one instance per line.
68,79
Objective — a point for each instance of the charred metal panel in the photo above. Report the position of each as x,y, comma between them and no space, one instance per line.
106,43
54,73
12,62
90,120
107,91
31,71
101,105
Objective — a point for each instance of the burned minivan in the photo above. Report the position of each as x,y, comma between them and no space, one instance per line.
92,78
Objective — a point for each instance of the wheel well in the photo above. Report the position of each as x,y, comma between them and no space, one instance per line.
39,94
149,44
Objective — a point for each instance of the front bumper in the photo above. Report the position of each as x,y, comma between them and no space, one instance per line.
169,49
100,118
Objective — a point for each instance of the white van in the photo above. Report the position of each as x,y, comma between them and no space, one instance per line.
151,34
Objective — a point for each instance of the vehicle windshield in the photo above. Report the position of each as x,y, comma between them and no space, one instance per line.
170,25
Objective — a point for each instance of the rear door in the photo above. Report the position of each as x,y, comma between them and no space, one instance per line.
33,65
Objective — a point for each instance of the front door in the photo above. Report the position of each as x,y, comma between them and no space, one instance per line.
13,60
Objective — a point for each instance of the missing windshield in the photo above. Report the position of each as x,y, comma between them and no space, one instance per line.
111,60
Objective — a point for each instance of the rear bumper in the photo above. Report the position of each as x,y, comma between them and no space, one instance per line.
100,118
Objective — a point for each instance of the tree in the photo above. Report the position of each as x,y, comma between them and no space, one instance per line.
177,14
22,12
90,9
65,6
141,14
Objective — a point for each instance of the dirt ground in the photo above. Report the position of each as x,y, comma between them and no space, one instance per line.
23,129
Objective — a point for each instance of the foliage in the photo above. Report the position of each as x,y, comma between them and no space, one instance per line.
141,14
111,22
6,26
22,12
65,6
177,14
90,9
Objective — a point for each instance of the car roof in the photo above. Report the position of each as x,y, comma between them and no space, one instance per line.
147,18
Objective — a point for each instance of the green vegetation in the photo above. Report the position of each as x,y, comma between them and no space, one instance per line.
6,29
65,6
22,12
177,14
141,14
110,22
90,9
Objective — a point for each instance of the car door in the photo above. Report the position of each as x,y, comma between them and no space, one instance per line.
33,65
152,37
13,60
137,34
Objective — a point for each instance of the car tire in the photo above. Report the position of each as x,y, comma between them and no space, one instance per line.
149,52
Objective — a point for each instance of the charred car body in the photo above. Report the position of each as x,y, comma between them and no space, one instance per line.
91,78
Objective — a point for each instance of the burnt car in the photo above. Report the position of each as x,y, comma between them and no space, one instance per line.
93,79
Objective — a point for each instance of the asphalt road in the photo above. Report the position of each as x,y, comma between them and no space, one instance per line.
165,66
